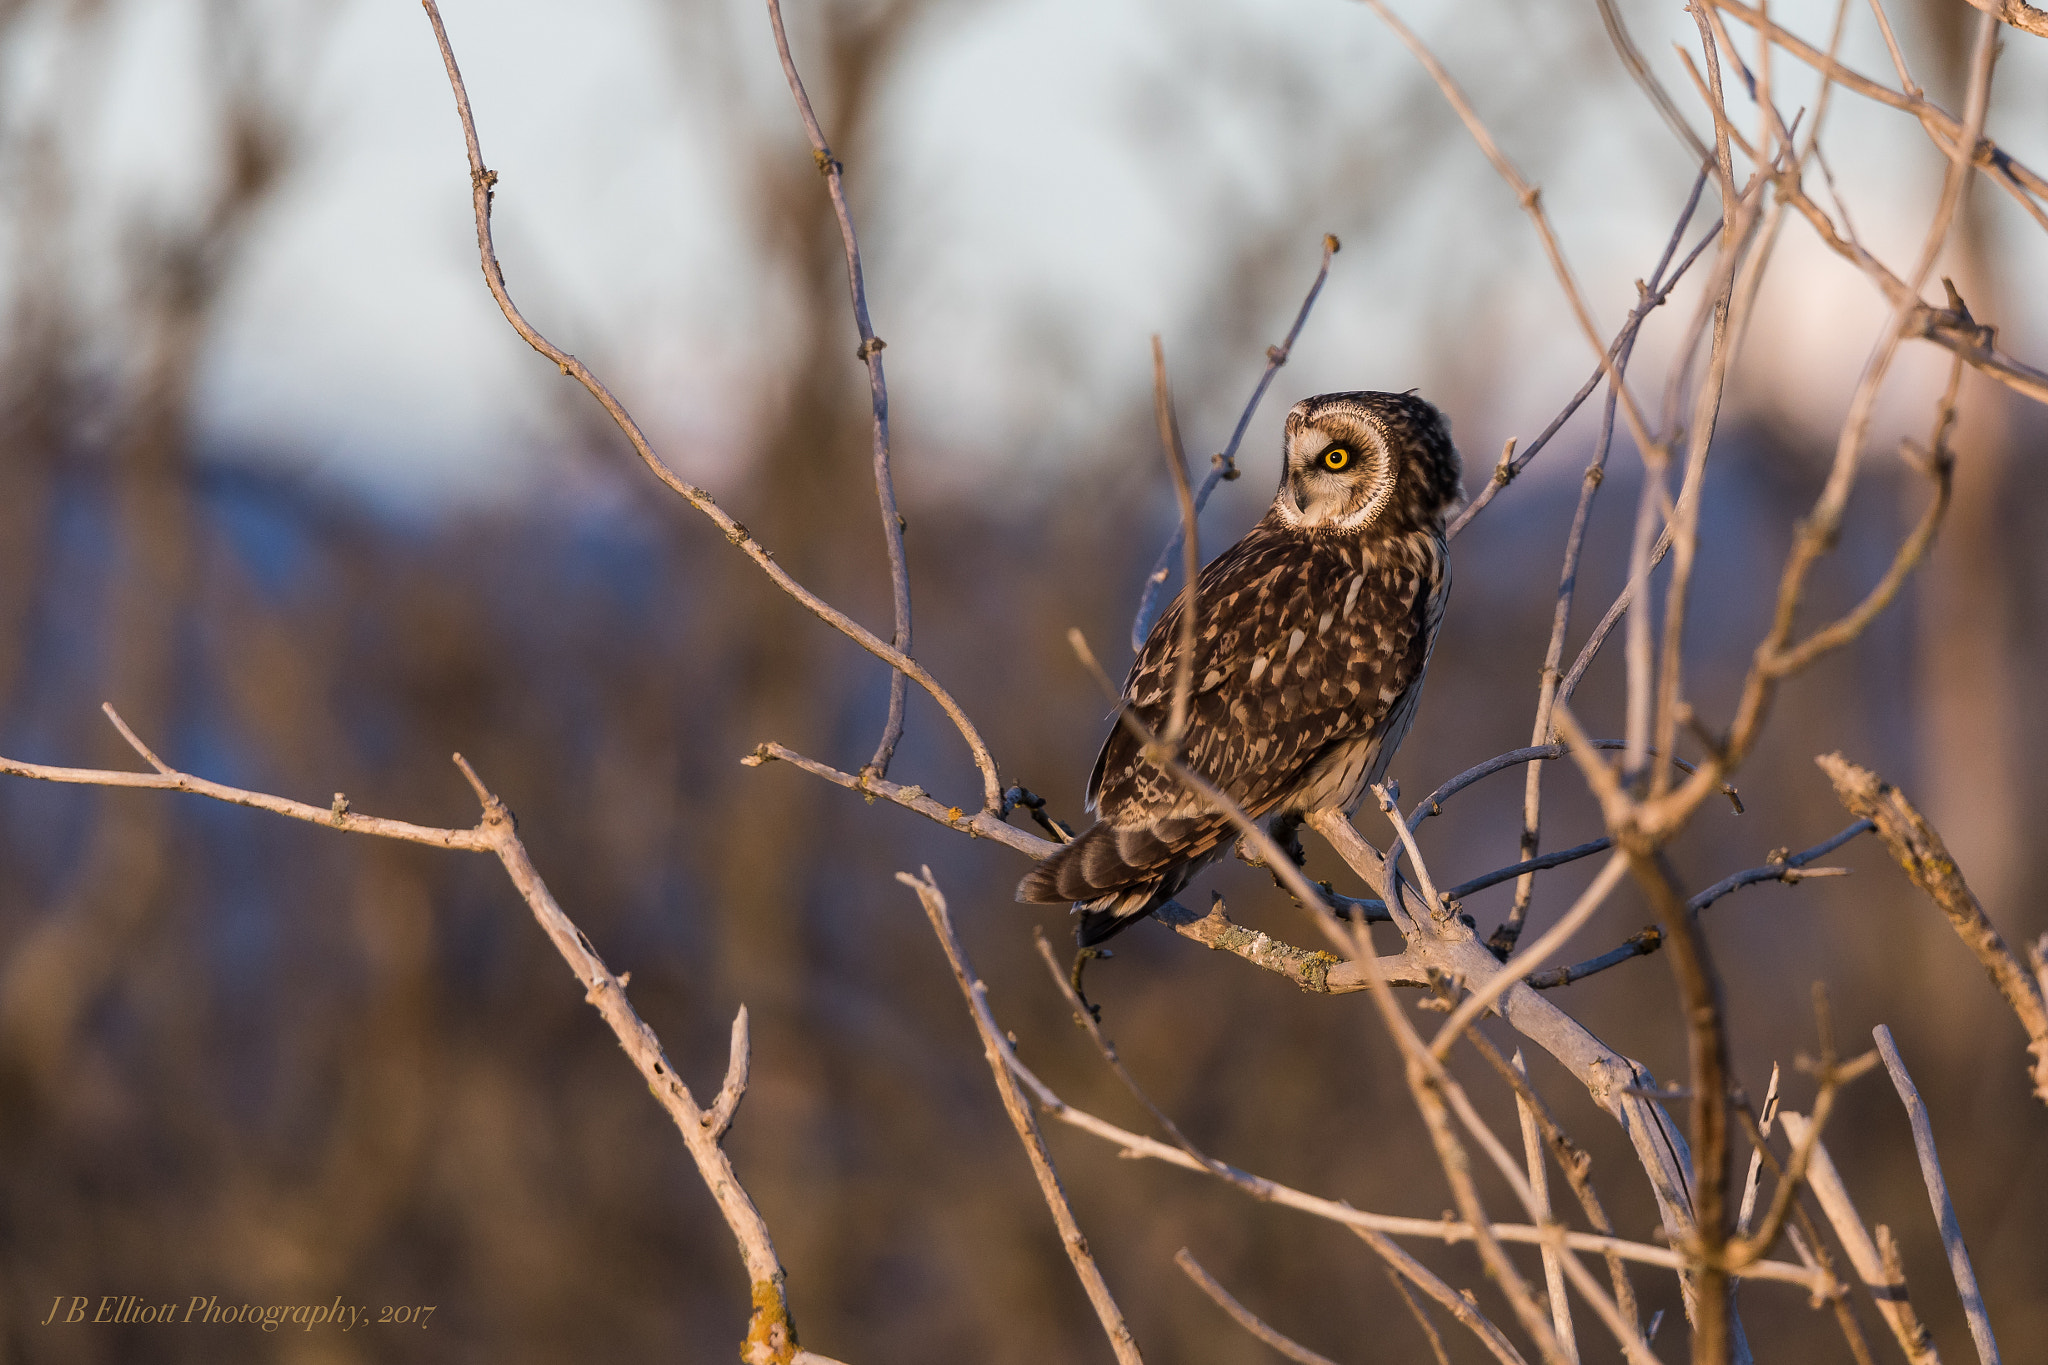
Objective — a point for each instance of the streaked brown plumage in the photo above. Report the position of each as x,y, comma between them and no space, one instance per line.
1313,635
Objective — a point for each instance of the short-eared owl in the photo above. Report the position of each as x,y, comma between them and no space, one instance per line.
1312,637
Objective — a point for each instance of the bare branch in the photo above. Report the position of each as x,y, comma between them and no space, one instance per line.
985,824
1783,868
1517,968
1937,1195
1539,1183
1246,1319
1421,1316
1632,58
1448,1231
1317,973
1637,945
1433,804
1887,1286
870,353
1919,849
1699,990
993,1045
1747,1209
2018,13
1942,127
337,816
481,183
718,1119
1527,866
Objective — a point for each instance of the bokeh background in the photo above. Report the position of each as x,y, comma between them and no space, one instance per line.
277,481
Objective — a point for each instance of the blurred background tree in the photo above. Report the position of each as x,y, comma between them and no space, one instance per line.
276,481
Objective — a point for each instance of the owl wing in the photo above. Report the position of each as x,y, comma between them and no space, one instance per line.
1301,647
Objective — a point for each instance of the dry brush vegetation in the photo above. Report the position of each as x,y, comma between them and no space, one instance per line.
1707,1217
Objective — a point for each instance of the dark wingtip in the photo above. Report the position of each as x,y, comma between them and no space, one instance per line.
1099,926
1095,926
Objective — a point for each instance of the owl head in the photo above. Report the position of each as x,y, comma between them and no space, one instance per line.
1358,463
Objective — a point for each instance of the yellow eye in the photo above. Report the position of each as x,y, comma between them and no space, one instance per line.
1336,458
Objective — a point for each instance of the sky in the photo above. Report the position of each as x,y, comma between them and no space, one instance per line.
1048,183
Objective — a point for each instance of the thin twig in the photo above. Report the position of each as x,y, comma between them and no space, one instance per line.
1448,1231
1887,1287
870,353
1527,866
1421,1316
1021,1119
1246,1319
984,824
1433,804
1539,1182
481,183
1640,944
1783,867
1632,58
1937,1196
1747,1210
1085,1017
1224,466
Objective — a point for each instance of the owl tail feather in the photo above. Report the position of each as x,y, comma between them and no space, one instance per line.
1106,859
1113,878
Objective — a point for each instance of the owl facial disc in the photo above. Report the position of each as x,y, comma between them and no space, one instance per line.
1339,476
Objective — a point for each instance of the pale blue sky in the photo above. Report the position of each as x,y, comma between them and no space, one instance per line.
1052,181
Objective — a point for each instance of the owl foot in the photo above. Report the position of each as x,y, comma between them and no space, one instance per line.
1284,831
1081,960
